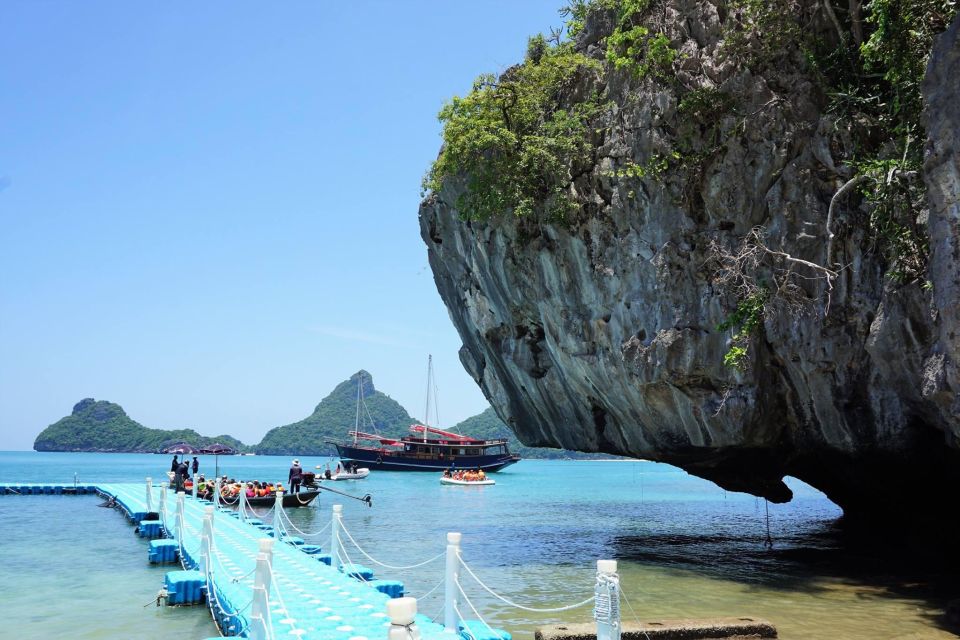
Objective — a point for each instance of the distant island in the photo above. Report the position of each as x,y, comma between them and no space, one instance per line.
98,425
105,427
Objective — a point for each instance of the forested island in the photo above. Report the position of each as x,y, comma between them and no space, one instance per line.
98,425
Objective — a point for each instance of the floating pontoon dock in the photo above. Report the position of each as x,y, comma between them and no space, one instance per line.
255,585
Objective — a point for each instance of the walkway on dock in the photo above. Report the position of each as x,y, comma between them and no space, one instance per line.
308,598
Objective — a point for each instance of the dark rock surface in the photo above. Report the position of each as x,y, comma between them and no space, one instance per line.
601,335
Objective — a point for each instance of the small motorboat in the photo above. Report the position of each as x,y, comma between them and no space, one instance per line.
467,483
290,500
345,474
358,474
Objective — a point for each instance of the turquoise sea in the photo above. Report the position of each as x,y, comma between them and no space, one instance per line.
686,549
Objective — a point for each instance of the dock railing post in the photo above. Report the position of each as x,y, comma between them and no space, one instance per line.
606,607
206,544
277,508
195,483
242,509
451,594
149,495
216,493
163,507
180,495
402,613
260,608
335,536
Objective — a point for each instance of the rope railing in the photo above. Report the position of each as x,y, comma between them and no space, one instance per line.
520,606
283,605
303,533
343,550
383,564
466,599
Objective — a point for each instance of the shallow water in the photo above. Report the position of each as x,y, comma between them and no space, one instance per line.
686,548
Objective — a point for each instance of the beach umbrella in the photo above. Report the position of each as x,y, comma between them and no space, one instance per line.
216,450
180,448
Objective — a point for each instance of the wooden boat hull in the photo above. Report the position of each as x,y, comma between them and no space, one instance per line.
290,500
467,483
399,461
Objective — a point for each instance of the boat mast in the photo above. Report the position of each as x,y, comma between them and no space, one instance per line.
426,411
356,424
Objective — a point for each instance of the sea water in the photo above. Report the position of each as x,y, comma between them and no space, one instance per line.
686,549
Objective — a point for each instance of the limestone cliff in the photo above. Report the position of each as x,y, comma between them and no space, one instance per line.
600,332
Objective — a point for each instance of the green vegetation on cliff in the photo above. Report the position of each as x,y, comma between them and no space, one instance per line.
516,147
105,426
334,417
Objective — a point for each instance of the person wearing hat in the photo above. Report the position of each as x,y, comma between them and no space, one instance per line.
296,474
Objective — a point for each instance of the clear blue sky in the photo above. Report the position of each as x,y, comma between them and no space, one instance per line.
208,210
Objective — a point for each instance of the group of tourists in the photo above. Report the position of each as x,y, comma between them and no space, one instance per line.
469,475
231,489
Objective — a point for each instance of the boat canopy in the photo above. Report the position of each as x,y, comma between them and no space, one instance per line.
449,435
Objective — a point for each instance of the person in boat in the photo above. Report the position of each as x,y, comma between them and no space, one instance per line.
295,476
250,491
446,473
481,475
188,485
327,474
203,488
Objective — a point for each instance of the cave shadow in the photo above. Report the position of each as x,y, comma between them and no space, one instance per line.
904,562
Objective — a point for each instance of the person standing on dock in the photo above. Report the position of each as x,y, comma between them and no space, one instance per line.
196,465
175,464
182,472
296,474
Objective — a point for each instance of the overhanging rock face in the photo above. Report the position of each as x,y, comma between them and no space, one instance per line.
601,334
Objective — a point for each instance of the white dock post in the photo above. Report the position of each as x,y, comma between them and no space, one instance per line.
402,612
180,495
260,608
206,543
195,483
451,593
149,495
216,493
242,510
606,607
335,536
277,508
163,510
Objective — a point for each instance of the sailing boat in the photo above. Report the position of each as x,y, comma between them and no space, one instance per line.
428,449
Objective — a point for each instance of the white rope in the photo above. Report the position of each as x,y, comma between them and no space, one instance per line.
437,586
632,610
461,617
382,564
283,605
300,531
343,550
514,604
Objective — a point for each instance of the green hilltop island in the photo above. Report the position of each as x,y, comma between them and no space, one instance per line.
98,425
103,426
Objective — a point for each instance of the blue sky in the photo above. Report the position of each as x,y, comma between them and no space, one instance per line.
208,210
